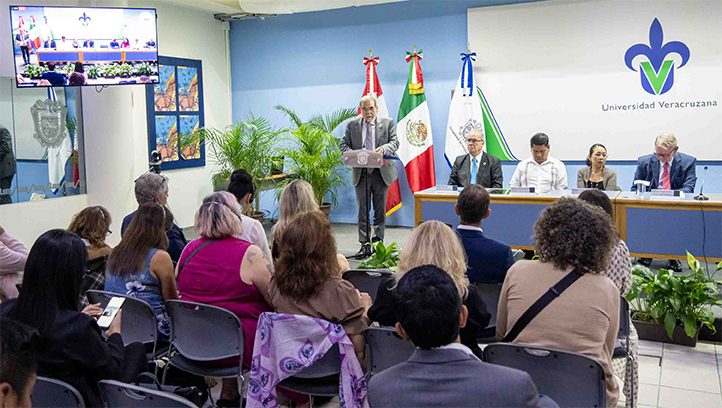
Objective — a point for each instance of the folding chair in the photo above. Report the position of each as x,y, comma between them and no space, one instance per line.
121,395
624,350
367,280
490,293
570,379
202,333
385,348
52,393
319,379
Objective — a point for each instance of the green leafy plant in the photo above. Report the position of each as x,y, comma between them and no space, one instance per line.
109,70
314,153
125,70
143,69
93,72
670,300
384,257
34,71
69,69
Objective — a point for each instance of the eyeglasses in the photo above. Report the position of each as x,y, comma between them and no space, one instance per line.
663,156
474,141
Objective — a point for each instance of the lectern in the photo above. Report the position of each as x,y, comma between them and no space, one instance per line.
365,160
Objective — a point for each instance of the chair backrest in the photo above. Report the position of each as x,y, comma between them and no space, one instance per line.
117,394
367,280
386,348
623,318
490,293
52,393
570,379
329,364
204,332
138,322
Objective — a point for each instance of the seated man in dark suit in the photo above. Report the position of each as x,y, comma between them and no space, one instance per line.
667,169
55,78
88,43
477,165
152,187
49,43
442,372
114,43
488,259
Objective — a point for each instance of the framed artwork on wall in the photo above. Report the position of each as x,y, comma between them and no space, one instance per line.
175,111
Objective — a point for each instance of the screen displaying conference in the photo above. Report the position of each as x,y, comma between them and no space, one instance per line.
81,46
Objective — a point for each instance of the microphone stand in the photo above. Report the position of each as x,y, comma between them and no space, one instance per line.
700,196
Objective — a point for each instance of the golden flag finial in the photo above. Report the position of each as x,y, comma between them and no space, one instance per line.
414,48
371,53
468,48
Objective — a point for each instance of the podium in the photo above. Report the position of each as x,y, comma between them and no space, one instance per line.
365,159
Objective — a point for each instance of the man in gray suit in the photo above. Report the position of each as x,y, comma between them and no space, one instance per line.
8,166
379,135
442,372
477,165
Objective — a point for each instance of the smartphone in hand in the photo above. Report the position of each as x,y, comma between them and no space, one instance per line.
110,311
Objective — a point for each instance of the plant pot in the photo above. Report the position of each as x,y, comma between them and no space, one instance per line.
325,209
657,332
258,215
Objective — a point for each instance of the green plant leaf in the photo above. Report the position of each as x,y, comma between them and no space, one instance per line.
669,322
690,326
676,304
692,262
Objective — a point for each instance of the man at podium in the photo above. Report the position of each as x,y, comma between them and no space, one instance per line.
377,135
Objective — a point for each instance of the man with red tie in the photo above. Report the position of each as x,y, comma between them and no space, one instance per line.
667,169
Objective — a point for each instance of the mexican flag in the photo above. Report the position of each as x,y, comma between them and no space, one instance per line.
34,34
393,197
416,144
469,111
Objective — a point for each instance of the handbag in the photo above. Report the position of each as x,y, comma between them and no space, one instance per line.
540,304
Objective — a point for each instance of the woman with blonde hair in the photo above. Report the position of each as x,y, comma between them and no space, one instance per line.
92,225
435,243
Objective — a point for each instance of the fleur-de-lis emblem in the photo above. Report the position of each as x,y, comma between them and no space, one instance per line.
84,20
656,74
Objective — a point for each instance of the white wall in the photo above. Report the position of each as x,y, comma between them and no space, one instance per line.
116,139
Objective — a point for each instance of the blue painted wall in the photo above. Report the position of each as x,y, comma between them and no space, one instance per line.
312,63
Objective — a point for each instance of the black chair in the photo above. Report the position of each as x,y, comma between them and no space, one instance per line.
490,293
121,395
52,393
385,348
367,280
319,379
570,379
624,350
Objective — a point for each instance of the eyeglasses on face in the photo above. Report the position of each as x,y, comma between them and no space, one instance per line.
474,141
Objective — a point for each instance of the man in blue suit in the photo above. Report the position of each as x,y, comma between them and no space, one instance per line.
667,169
488,259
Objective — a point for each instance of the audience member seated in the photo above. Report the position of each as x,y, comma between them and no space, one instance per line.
442,372
221,270
620,272
477,166
92,225
13,256
488,260
140,266
76,351
76,79
307,280
435,243
540,171
242,187
18,365
55,78
570,235
153,188
596,174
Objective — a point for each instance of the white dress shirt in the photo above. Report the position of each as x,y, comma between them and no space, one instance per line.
254,233
469,227
550,175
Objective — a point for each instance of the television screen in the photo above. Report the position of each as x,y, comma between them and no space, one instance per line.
76,46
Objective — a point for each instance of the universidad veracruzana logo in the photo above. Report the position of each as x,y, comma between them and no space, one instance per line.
657,72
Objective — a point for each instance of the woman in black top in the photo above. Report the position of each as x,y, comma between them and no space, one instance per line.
75,351
596,174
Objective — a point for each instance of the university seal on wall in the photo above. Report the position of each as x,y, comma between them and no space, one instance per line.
416,132
49,119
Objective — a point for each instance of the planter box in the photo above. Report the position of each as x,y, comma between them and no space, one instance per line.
657,332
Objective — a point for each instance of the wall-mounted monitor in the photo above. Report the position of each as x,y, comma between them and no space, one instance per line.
84,46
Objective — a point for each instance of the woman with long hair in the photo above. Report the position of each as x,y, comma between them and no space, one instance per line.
92,225
140,266
75,351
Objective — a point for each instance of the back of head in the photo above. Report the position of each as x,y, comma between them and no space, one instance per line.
574,233
78,67
92,223
76,79
307,256
51,282
297,197
540,139
18,351
241,184
149,186
219,217
598,198
435,243
473,204
145,232
428,305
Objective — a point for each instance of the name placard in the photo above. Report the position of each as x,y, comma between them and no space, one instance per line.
666,194
577,191
522,190
445,188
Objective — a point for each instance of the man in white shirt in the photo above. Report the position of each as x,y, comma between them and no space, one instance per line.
540,171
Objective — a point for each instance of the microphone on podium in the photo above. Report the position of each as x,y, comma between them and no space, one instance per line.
701,196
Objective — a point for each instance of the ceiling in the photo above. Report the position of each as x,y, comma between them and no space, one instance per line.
272,6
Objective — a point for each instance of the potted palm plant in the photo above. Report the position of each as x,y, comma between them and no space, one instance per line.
249,145
314,155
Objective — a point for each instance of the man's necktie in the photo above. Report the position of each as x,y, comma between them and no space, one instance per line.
474,170
666,184
368,140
